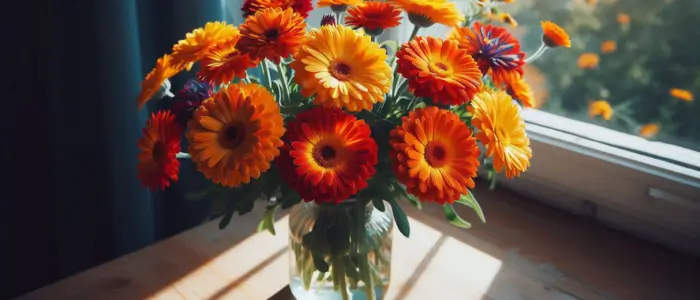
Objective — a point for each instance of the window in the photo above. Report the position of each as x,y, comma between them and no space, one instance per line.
638,57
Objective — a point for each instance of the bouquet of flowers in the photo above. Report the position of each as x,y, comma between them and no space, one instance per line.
342,122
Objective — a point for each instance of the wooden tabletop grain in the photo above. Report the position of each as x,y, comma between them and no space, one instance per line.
524,251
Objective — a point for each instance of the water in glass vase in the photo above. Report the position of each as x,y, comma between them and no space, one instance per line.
340,251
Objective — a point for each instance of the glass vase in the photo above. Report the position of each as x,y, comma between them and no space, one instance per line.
340,251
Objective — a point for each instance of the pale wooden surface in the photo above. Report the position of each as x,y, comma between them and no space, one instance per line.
524,251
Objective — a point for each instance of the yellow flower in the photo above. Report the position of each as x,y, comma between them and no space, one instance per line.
522,91
342,67
198,42
425,13
684,95
600,108
502,131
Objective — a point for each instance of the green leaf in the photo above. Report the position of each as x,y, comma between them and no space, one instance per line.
452,216
226,219
268,219
415,201
196,196
378,204
470,201
254,79
400,218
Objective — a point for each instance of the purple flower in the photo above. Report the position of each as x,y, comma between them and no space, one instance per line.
187,100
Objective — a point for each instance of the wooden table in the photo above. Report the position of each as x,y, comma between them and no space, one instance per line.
524,251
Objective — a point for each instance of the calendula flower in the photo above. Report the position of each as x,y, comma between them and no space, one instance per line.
198,42
159,145
438,69
588,60
684,95
338,6
522,91
649,130
234,136
187,100
374,17
328,19
623,18
506,18
302,7
608,46
425,13
163,70
272,33
502,131
554,36
600,108
434,155
495,50
224,62
329,155
342,67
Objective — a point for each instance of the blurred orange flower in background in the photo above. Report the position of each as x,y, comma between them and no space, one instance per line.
588,60
608,46
623,18
649,130
600,108
681,94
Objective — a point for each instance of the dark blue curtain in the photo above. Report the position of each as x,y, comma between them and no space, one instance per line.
71,199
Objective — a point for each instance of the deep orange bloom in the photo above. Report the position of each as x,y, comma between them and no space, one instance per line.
302,7
338,5
588,60
163,70
224,62
522,91
198,42
623,18
502,131
600,108
272,33
425,13
159,145
608,46
554,36
373,16
438,69
649,130
495,50
684,95
234,136
329,155
434,155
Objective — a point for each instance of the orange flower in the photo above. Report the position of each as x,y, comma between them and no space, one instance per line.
434,155
521,90
373,16
158,165
302,7
224,62
554,36
588,60
623,18
329,155
591,2
538,83
163,70
197,43
338,5
502,131
425,13
272,33
600,108
684,95
438,69
608,46
495,50
649,130
235,134
342,68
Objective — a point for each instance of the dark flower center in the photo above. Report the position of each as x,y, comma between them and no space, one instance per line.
271,34
158,152
340,70
435,154
232,136
326,156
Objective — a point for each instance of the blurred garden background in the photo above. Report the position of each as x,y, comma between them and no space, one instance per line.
638,56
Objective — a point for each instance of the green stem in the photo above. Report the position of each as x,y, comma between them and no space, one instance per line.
413,102
183,155
285,87
266,74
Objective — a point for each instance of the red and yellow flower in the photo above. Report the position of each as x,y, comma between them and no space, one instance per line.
198,42
224,62
234,136
434,155
438,69
554,36
522,91
272,33
302,7
495,50
329,155
159,145
373,16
